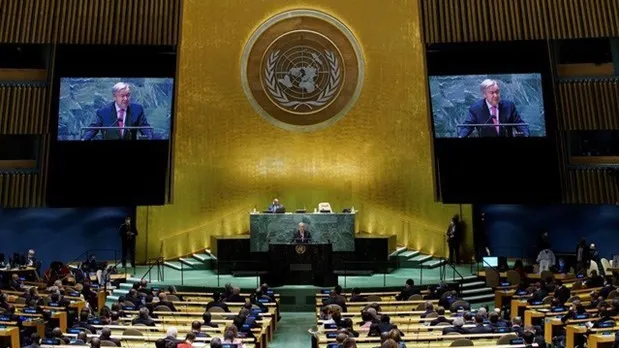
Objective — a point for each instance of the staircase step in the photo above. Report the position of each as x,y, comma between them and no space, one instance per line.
470,278
125,286
120,292
202,257
420,258
479,298
475,284
397,252
112,298
434,263
409,254
191,262
174,265
477,291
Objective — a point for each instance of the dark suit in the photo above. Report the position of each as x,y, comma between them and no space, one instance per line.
128,243
479,113
562,294
480,328
296,237
108,117
145,321
273,207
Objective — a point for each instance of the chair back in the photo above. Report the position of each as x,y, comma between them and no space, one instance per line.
605,267
547,300
173,298
216,309
462,342
374,298
106,343
132,332
421,307
612,295
505,339
415,297
593,266
547,274
162,308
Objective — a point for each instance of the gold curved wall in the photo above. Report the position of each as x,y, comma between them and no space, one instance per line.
228,159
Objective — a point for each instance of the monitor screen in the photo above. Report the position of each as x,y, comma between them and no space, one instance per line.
115,108
490,105
490,261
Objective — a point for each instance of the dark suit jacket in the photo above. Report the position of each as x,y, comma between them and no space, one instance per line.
358,298
479,113
147,322
217,304
562,293
438,320
296,237
123,232
480,328
107,117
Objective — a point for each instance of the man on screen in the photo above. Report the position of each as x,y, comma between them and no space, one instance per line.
301,236
120,113
492,111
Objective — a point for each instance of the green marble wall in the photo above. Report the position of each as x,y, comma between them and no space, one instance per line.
279,228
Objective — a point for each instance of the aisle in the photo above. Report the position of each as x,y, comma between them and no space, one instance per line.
292,330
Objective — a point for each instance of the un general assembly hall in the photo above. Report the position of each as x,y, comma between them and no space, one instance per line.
309,173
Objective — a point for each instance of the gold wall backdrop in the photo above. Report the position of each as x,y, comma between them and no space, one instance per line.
228,159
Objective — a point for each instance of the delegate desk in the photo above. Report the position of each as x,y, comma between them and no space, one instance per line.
337,229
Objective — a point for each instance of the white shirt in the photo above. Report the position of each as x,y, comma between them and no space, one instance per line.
118,108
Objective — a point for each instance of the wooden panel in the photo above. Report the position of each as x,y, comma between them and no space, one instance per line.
22,108
153,22
588,104
24,189
508,20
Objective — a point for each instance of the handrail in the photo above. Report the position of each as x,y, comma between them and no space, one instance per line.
453,276
160,269
88,252
489,266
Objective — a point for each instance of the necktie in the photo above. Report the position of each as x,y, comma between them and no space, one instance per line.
121,123
495,120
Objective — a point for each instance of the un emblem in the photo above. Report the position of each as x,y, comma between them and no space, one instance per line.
302,70
300,249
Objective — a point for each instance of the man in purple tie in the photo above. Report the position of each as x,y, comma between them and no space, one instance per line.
118,114
491,110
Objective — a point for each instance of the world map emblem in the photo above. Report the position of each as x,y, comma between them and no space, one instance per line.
302,70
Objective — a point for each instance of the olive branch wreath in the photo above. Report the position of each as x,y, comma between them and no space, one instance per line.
323,98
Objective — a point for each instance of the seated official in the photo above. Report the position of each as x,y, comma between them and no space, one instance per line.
236,296
217,302
458,327
275,206
206,320
408,291
301,235
143,318
106,335
356,296
480,328
441,317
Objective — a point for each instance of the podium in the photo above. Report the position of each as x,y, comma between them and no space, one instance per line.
113,132
301,264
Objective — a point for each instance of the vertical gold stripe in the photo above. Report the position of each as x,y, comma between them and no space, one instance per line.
109,21
12,21
37,22
19,17
120,22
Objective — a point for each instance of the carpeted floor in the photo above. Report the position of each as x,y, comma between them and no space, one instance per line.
292,330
